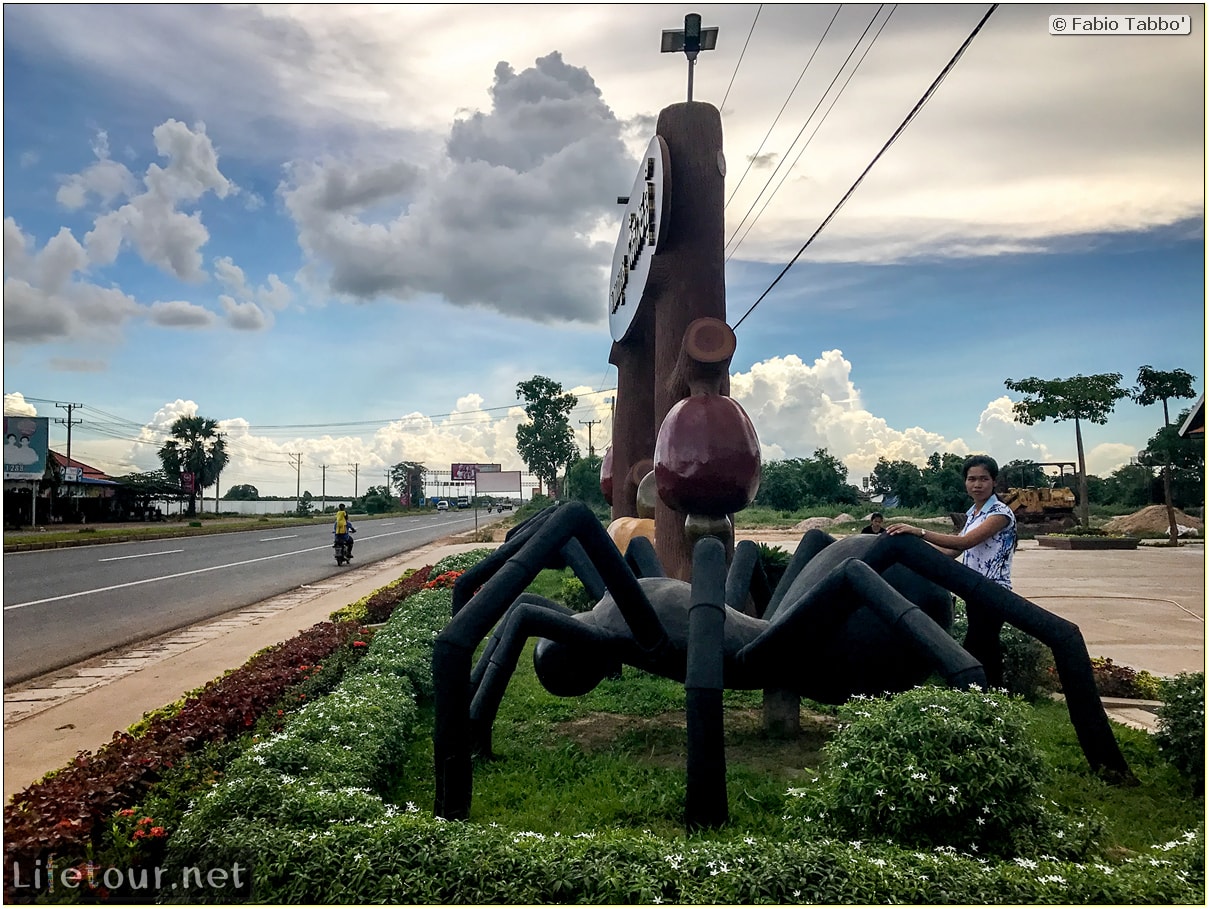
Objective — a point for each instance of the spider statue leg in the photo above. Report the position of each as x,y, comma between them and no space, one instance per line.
989,605
502,582
747,576
570,554
804,627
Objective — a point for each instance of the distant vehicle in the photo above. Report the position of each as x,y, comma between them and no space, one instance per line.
463,502
442,505
503,506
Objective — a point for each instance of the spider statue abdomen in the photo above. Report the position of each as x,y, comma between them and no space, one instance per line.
862,655
572,669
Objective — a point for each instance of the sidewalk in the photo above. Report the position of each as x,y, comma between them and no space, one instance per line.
1144,609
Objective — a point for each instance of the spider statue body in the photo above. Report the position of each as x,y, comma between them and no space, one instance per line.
858,615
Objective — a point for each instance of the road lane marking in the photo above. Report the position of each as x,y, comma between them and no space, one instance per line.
271,539
184,574
141,556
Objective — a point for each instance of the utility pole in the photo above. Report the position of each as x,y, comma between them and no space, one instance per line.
70,423
298,469
356,467
589,424
323,467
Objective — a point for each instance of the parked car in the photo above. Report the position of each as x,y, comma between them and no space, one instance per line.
442,505
463,502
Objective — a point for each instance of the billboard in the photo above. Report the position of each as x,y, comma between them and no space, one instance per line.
26,441
463,472
508,481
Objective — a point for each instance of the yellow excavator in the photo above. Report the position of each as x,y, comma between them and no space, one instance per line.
1039,509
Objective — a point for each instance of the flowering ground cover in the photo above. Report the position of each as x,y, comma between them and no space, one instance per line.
329,801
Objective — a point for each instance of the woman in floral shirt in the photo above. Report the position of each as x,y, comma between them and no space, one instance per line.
988,540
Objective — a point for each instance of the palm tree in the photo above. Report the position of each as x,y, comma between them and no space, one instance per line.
196,448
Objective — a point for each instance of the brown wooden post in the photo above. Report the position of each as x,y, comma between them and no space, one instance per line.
634,423
691,280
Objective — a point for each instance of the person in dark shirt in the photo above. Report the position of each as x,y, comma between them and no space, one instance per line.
876,520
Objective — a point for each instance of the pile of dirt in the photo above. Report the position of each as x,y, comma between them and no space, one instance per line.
822,523
1153,519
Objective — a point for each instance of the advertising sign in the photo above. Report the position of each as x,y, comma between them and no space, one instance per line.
644,228
26,441
499,481
463,472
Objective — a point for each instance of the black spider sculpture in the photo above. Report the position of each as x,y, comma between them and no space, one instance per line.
865,614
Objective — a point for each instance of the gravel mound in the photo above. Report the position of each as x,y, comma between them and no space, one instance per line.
1153,519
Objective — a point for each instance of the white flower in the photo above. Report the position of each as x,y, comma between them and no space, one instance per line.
880,792
411,806
952,799
1028,864
880,862
980,821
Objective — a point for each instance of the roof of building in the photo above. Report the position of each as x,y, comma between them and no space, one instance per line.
90,472
1195,424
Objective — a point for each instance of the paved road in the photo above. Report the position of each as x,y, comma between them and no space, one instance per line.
62,606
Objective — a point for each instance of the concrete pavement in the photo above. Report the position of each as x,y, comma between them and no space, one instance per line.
1144,609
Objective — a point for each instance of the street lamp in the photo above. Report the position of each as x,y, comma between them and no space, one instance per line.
692,39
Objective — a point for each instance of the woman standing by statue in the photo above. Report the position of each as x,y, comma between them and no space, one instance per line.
988,540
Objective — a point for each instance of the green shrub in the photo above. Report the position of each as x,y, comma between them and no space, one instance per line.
935,767
1028,665
459,561
575,596
1113,681
1181,735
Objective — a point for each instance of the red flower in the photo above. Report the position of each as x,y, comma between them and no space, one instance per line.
157,831
360,644
126,812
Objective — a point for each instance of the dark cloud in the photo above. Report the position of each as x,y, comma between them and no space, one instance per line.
505,222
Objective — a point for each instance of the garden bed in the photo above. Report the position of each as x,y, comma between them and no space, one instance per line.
1087,542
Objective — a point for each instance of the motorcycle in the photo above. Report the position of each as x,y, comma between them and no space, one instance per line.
343,547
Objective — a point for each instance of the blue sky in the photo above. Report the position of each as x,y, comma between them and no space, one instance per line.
349,232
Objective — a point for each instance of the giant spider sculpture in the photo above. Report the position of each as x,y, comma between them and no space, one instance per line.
864,614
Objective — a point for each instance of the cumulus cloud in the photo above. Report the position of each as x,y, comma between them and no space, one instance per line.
246,316
274,294
799,408
180,314
46,294
106,179
15,405
503,222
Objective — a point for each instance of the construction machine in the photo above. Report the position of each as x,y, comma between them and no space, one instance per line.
1038,509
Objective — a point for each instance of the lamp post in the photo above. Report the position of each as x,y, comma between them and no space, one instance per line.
692,39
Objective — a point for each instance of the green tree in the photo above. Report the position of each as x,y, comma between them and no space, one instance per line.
1187,460
583,483
944,486
244,492
899,478
377,500
198,448
1155,385
409,476
546,442
780,487
824,480
1090,398
1021,474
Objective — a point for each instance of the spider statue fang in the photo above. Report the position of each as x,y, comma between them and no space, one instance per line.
862,614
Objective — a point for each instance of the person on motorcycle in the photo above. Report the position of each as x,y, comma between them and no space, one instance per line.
344,528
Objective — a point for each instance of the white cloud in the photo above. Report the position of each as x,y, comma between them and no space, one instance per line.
106,179
15,405
245,316
504,222
180,314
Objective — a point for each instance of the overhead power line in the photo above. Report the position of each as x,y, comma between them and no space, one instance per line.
927,95
823,119
777,119
722,106
806,122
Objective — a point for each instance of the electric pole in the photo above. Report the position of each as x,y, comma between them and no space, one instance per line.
323,467
356,467
70,423
589,424
298,469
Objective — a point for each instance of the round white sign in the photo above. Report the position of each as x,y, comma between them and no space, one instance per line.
643,228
